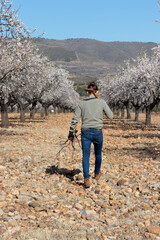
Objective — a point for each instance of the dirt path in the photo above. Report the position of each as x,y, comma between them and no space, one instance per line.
42,197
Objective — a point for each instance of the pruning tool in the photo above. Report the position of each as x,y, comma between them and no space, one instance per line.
67,143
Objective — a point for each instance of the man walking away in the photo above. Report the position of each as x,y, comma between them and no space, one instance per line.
90,110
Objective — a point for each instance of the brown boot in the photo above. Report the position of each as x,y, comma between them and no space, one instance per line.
86,183
97,176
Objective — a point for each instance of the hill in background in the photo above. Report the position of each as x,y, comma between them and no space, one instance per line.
89,59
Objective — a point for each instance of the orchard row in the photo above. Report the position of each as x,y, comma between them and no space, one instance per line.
28,78
136,85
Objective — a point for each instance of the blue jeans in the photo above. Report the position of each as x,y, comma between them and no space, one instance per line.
89,136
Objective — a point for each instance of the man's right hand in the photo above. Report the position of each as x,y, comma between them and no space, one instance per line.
71,136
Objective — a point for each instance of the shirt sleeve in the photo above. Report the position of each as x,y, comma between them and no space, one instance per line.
76,118
107,110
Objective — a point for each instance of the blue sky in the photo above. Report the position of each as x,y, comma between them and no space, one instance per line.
104,20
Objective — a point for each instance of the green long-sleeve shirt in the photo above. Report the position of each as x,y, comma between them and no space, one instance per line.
91,111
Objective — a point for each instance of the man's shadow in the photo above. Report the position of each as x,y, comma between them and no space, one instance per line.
63,171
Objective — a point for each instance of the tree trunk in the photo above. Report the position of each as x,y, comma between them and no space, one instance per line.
4,115
46,111
56,110
122,112
149,111
118,112
12,109
148,116
157,106
32,113
33,110
42,112
18,109
136,114
22,114
128,112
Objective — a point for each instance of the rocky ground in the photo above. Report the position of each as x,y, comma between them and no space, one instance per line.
42,195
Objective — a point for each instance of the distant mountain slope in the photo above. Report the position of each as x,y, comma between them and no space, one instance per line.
91,57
